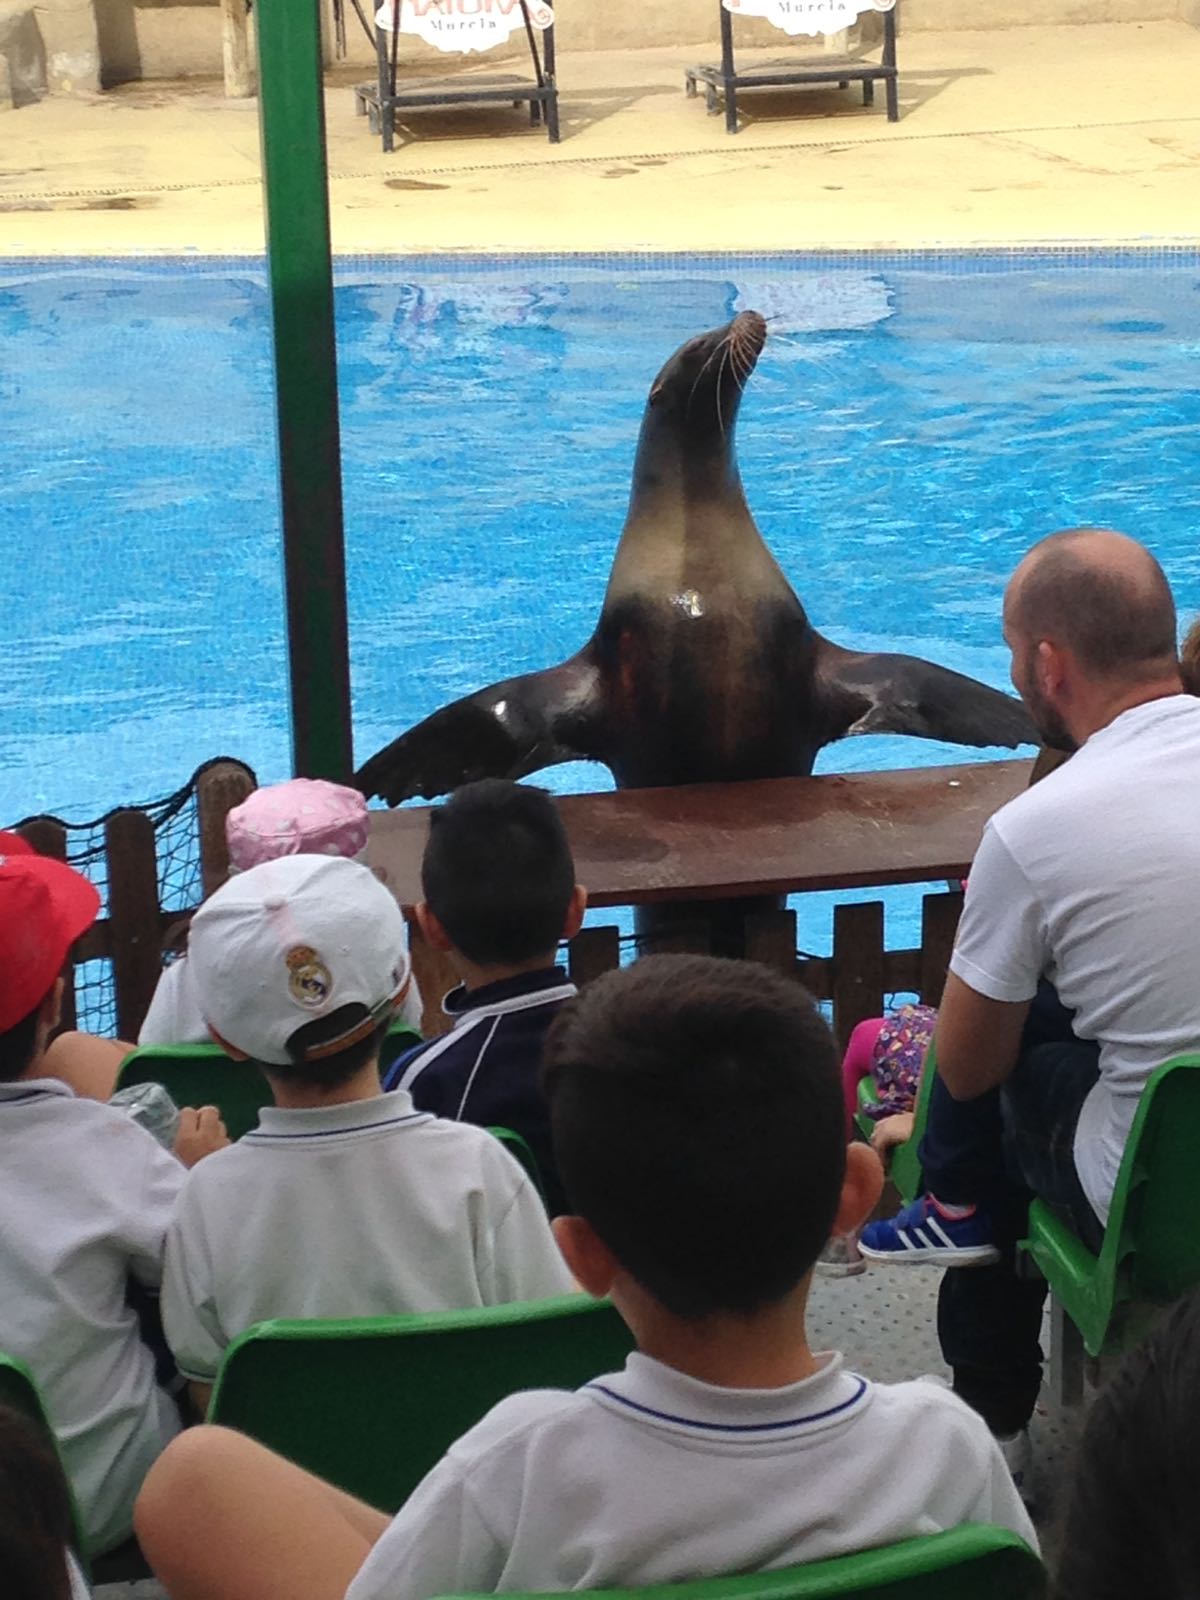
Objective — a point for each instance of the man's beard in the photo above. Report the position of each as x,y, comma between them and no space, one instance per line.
1047,720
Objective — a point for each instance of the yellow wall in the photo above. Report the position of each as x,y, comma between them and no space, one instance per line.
160,38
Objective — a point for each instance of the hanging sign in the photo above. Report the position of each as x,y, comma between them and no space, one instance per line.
807,16
462,25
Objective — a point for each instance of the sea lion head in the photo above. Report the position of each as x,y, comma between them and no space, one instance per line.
700,388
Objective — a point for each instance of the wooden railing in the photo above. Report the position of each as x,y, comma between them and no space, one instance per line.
857,976
636,848
132,932
671,848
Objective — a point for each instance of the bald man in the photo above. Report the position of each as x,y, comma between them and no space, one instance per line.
1088,880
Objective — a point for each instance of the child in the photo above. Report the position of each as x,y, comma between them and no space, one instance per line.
500,892
35,1516
697,1119
305,816
1131,1525
86,1196
344,1201
891,1050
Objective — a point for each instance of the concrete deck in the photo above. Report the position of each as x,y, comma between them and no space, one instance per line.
1046,134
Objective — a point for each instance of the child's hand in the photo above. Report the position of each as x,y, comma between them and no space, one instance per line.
200,1133
892,1131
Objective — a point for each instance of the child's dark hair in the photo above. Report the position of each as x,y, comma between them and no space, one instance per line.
1131,1526
498,873
18,1045
35,1512
696,1114
314,1070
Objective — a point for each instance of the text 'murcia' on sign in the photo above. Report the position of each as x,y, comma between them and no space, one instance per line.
462,25
807,16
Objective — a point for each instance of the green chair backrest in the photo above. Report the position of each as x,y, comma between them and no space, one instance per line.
1151,1249
202,1075
372,1404
906,1163
401,1036
1157,1184
975,1562
519,1148
18,1389
905,1167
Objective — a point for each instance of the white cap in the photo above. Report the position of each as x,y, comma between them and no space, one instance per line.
293,940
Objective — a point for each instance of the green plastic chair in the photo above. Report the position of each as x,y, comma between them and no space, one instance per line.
203,1075
401,1036
1150,1255
18,1389
976,1562
373,1403
905,1167
518,1147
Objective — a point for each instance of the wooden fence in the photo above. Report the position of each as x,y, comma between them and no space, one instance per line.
856,977
133,931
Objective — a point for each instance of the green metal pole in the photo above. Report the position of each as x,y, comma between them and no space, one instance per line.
292,123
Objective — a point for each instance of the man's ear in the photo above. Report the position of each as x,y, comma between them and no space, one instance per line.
230,1050
575,909
861,1188
1049,666
432,929
591,1263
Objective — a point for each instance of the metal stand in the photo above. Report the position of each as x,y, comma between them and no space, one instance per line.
379,101
725,81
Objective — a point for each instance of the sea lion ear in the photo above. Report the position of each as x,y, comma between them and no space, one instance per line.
654,393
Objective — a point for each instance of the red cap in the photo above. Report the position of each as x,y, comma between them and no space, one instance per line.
44,907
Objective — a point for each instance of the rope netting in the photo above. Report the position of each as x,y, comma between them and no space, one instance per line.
175,819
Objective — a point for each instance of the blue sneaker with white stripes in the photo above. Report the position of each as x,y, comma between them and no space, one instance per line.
921,1235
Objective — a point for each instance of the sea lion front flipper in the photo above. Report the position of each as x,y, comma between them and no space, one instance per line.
903,694
505,731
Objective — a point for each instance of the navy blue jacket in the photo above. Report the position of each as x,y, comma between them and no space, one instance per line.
487,1069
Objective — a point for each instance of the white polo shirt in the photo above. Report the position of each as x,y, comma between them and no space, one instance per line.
366,1209
648,1476
86,1196
1091,878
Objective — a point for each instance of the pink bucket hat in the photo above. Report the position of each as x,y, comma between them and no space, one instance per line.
303,817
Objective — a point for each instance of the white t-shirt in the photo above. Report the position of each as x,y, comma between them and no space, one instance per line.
366,1209
174,1016
648,1476
1091,878
86,1196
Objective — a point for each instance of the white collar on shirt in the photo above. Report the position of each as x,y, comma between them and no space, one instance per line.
664,1398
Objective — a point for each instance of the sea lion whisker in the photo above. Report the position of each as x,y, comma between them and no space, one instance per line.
692,391
725,357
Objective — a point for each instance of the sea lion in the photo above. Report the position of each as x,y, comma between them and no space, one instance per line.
703,666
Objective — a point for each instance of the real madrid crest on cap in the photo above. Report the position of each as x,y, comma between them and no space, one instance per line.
309,979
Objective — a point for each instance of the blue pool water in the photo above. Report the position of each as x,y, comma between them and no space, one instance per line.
912,427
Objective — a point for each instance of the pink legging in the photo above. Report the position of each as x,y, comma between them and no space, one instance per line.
856,1064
